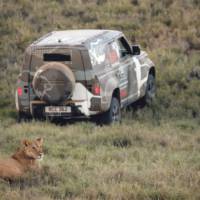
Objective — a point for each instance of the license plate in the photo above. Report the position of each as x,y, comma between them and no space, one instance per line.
58,109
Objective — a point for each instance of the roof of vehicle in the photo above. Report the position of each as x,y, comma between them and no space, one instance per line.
74,37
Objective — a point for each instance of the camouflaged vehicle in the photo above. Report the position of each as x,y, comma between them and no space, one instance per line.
83,73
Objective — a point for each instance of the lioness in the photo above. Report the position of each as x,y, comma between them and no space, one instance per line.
23,160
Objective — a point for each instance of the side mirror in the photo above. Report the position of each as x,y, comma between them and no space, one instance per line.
136,50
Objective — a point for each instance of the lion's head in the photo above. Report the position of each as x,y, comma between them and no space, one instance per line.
33,149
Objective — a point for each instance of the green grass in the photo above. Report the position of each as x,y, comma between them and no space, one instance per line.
128,161
167,30
154,153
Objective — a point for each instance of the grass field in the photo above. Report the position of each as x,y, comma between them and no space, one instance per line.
155,153
133,160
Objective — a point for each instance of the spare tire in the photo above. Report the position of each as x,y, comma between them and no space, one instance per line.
54,82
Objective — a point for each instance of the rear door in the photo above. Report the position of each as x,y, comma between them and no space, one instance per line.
70,56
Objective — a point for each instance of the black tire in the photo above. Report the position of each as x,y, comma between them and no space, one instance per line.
150,90
113,115
23,117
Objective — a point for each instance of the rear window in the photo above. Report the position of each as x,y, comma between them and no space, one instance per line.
56,57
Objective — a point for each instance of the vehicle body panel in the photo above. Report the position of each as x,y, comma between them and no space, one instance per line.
92,55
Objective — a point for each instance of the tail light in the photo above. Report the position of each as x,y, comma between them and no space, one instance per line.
19,91
96,88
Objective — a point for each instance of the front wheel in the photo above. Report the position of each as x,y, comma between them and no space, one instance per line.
150,90
113,115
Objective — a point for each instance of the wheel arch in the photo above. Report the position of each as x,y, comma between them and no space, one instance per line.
107,118
116,93
152,71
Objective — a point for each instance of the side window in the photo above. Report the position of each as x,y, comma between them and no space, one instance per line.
112,53
104,54
97,52
124,48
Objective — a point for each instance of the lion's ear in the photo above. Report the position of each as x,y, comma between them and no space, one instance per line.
40,140
26,142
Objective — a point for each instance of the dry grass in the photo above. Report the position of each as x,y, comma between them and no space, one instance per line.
168,30
154,153
127,161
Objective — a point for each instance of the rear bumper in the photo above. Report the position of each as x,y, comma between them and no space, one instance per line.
83,104
37,109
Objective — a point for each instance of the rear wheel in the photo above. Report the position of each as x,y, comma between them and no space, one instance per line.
23,117
113,115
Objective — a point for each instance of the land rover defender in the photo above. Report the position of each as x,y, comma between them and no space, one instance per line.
83,73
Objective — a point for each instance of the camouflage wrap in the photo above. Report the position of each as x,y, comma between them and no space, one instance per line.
62,68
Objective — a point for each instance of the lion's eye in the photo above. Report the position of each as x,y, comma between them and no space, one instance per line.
33,148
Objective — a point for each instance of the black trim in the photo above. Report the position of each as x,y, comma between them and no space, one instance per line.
56,57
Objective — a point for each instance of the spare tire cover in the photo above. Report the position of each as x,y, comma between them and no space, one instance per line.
54,82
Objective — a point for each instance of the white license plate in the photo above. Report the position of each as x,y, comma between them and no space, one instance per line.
58,109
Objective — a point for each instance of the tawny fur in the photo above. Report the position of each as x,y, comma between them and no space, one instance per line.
25,159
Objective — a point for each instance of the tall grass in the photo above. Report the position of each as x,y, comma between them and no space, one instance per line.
167,29
154,153
129,161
